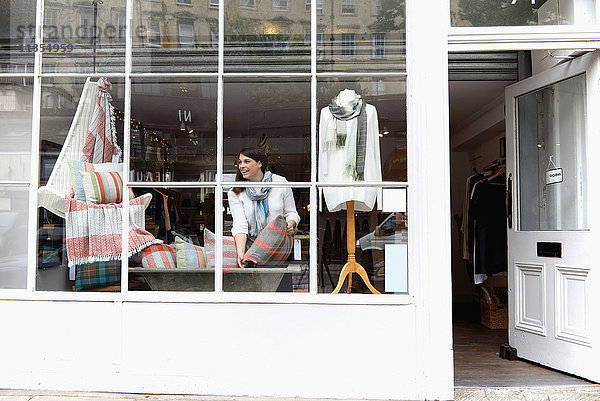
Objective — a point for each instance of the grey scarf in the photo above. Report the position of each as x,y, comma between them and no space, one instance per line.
355,142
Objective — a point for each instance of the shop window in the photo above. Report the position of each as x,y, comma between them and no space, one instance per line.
284,266
14,201
274,115
67,108
173,140
159,36
522,13
84,38
381,38
186,34
378,45
347,44
264,44
16,52
183,219
369,221
348,7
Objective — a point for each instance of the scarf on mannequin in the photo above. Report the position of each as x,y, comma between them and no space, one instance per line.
337,136
258,196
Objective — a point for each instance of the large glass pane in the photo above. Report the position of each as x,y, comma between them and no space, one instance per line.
14,213
174,129
184,219
551,124
272,114
276,257
519,13
17,35
377,244
175,36
67,108
272,35
384,132
15,136
84,36
354,35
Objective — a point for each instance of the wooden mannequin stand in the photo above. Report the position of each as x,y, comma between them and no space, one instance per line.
352,266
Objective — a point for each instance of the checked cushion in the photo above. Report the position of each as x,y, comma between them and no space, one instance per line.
272,246
229,251
159,256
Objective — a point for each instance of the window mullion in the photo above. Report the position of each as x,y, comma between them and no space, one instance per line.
219,187
126,149
35,154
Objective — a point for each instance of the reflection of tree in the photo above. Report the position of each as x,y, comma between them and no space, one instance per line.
390,17
498,12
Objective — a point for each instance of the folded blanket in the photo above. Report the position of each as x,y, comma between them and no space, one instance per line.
94,230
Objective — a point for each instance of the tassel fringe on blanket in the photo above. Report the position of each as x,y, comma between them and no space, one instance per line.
94,231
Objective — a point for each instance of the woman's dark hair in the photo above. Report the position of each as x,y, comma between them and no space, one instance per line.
255,154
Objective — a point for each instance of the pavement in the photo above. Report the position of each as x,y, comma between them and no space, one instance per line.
560,393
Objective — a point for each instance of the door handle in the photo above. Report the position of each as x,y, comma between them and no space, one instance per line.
509,200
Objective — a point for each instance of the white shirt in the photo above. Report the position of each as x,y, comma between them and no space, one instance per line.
281,203
333,163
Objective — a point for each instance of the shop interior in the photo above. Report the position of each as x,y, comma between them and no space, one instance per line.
478,155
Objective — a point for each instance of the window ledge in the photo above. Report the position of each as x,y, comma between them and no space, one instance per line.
210,298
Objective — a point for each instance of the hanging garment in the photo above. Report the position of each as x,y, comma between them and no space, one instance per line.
344,163
471,181
487,226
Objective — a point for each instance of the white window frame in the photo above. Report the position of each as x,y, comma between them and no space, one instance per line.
183,39
348,7
184,2
281,5
213,3
459,39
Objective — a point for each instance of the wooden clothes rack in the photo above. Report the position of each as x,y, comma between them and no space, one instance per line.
352,266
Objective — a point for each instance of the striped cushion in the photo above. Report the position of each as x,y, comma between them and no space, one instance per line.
102,187
189,256
159,256
272,246
75,166
229,252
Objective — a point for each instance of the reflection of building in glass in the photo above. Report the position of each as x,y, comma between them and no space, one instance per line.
89,36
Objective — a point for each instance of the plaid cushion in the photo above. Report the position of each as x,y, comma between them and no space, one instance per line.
189,256
75,166
229,251
272,246
97,275
159,256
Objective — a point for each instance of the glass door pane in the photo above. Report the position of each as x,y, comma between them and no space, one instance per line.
551,126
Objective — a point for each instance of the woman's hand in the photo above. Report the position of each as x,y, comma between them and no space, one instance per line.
291,227
239,260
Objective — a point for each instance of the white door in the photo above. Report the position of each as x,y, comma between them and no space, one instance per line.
553,150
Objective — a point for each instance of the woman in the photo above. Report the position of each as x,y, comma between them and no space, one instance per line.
253,208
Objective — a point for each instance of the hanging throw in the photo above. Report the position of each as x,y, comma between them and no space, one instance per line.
101,141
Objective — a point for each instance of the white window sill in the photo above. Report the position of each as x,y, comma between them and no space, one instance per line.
210,297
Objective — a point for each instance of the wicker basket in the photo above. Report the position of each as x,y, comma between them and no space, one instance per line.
494,315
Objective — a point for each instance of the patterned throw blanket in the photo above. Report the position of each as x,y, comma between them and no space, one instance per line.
94,231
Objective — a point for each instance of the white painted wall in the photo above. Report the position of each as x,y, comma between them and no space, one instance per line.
311,351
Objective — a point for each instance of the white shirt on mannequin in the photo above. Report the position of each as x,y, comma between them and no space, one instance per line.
333,161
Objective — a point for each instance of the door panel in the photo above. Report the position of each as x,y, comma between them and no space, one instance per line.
552,125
